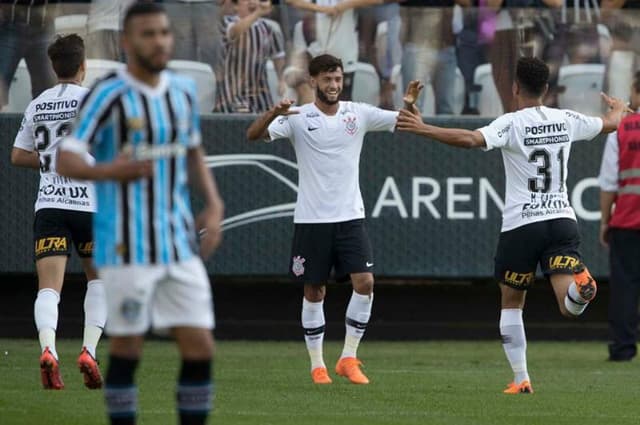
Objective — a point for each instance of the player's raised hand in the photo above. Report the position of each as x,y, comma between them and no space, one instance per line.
209,223
413,92
282,108
615,103
409,120
124,168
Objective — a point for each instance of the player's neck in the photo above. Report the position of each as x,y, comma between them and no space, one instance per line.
75,81
151,79
523,102
326,108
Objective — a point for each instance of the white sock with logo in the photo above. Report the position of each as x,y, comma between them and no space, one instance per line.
514,342
45,313
95,315
357,318
573,302
313,324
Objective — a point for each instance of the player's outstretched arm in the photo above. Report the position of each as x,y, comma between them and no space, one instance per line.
617,110
73,164
258,129
411,121
209,221
24,158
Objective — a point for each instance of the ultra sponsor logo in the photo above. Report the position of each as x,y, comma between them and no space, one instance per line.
51,244
85,247
516,279
563,262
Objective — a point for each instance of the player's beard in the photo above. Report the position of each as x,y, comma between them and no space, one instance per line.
324,99
149,65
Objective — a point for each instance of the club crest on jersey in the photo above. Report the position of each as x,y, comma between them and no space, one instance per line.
135,123
350,125
298,266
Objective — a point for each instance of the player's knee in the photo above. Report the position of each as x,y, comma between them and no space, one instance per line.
363,285
314,293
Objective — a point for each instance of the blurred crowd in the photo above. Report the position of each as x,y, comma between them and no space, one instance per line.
245,54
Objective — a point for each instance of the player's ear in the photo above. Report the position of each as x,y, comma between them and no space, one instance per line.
546,89
515,88
313,82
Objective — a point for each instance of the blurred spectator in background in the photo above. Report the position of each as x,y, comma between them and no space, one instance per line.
196,26
383,52
620,229
332,30
472,46
104,23
520,30
429,53
249,41
576,40
26,29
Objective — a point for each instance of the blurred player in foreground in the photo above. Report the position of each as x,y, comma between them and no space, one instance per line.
142,125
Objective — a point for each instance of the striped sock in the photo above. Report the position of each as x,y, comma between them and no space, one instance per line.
195,392
121,395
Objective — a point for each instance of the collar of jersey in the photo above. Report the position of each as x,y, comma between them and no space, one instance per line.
325,115
158,90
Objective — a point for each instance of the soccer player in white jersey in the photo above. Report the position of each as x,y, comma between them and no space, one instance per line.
538,224
143,126
330,233
64,210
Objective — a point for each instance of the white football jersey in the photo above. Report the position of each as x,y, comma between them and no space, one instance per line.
47,120
328,153
535,144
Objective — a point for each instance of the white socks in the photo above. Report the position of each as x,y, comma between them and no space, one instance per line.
95,315
45,312
357,318
573,302
313,324
514,342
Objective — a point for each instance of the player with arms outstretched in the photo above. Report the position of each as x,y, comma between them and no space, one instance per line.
329,233
64,210
538,223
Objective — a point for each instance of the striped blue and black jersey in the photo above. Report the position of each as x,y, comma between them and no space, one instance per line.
149,220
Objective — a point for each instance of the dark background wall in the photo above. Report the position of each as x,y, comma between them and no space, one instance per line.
434,263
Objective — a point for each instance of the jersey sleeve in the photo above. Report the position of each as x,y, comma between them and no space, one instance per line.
195,138
608,178
25,138
377,119
94,109
498,133
582,127
280,128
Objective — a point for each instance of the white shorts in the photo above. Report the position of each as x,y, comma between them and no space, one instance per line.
165,296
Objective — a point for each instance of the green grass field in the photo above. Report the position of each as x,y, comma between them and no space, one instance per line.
411,383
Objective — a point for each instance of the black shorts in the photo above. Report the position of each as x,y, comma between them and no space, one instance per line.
320,247
54,230
554,244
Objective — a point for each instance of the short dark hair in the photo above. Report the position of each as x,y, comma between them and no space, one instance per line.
66,54
636,82
141,8
533,75
324,63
